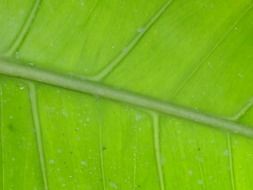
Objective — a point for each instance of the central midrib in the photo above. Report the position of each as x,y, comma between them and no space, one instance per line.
95,88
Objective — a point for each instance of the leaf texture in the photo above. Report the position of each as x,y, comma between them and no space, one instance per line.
126,95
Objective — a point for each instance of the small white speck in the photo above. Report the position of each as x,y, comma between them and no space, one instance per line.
82,3
138,117
59,150
83,163
126,49
52,162
113,185
200,181
17,54
21,87
141,30
240,75
190,172
226,153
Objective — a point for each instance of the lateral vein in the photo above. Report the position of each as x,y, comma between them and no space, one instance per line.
24,29
38,133
157,149
2,138
117,60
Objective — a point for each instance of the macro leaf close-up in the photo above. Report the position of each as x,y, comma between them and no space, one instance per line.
126,95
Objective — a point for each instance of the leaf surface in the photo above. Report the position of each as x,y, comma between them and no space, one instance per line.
126,95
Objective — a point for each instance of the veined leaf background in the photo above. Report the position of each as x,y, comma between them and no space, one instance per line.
124,94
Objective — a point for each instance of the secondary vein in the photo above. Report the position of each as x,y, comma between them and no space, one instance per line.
125,52
220,41
24,29
94,88
157,149
231,162
37,128
2,137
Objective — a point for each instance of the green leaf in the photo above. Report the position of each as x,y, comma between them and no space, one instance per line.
148,95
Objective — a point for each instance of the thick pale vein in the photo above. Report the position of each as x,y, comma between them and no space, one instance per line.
157,149
2,137
97,89
213,49
142,31
37,128
231,162
24,29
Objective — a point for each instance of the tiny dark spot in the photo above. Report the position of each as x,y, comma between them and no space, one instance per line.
11,127
104,148
198,149
138,186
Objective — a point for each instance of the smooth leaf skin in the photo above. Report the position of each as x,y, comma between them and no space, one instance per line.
196,54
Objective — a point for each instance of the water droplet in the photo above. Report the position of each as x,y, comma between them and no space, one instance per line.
21,87
141,30
138,117
125,50
17,54
83,163
200,181
190,172
51,162
240,75
113,185
59,150
226,153
81,3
